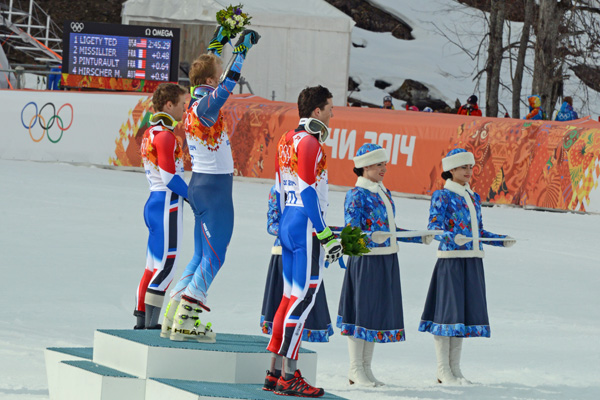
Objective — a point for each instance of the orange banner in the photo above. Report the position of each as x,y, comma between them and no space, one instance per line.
540,163
100,82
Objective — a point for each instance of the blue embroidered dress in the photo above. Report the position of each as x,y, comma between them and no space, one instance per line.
317,327
456,303
371,300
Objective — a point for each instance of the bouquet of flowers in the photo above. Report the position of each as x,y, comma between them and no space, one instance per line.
353,241
233,20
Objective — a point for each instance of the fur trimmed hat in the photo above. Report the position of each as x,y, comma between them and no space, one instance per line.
369,154
457,158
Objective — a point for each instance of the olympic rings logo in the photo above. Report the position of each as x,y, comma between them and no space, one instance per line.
51,119
77,26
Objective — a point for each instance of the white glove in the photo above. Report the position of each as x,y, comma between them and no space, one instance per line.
509,243
461,239
333,247
427,239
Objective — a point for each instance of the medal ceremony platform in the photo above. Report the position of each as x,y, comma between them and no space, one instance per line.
140,365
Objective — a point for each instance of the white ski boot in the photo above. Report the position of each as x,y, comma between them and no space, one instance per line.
187,325
167,324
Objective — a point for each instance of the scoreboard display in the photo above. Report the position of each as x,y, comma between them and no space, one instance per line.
112,51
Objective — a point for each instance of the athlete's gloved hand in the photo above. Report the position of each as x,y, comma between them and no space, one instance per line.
333,247
218,41
247,39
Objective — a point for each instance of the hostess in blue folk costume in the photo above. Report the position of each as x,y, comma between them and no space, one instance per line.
370,309
456,305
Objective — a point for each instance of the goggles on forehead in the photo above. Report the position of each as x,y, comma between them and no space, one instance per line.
164,119
316,127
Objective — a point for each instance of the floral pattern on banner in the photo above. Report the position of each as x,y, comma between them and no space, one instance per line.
530,163
370,335
455,330
101,82
131,133
308,335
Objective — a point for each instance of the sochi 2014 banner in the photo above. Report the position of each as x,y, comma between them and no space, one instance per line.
544,164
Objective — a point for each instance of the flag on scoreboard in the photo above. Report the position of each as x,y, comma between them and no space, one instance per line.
141,64
141,53
140,74
142,43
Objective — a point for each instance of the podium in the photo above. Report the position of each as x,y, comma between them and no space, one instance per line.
140,365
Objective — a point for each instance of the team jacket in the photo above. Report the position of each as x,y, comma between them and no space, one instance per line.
301,175
370,207
163,160
456,209
205,130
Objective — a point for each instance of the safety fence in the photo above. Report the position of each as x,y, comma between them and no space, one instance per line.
543,164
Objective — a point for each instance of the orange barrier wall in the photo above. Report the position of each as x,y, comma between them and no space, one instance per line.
540,163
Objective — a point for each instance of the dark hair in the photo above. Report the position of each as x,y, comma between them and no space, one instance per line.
446,175
569,100
164,93
312,98
358,171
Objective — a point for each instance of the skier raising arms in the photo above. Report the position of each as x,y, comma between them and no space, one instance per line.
210,188
163,161
301,181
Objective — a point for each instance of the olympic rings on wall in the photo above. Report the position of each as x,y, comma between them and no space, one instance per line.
46,123
77,26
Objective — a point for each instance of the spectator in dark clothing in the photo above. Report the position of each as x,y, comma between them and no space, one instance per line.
471,108
566,112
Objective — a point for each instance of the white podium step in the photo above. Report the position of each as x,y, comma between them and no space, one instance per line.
54,356
87,380
232,359
161,389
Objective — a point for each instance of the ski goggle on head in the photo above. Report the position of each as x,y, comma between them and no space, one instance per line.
316,127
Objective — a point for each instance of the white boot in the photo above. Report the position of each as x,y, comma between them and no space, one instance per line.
167,324
442,352
367,358
356,374
187,325
455,350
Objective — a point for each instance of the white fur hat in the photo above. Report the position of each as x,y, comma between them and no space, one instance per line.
369,154
457,158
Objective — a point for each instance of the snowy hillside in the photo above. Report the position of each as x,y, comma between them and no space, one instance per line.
73,248
436,62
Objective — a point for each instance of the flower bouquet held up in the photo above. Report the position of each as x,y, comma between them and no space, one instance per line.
231,21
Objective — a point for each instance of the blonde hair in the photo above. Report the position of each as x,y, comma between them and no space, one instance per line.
204,67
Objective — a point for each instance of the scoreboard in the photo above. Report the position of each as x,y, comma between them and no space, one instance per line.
120,51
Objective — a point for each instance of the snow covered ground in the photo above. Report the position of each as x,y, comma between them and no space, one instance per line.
435,61
72,242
